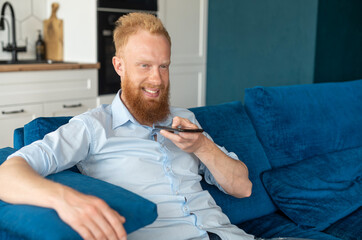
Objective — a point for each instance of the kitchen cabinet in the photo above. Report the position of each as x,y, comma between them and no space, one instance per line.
69,108
186,22
12,117
25,95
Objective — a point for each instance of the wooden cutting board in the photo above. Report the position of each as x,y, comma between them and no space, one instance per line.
53,36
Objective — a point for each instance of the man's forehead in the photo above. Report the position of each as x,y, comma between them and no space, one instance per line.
143,36
141,49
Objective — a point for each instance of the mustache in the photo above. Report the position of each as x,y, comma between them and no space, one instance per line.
158,86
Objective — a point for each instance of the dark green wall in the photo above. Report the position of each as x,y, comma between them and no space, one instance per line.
339,41
258,42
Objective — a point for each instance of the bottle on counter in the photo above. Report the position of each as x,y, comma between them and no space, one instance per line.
40,48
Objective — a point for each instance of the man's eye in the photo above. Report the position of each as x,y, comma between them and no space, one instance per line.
144,65
164,66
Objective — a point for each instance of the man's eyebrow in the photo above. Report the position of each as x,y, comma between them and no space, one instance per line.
140,61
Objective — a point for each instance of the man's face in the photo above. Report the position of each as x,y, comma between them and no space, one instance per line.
144,70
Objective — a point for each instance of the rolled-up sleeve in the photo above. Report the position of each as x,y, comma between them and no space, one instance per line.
58,150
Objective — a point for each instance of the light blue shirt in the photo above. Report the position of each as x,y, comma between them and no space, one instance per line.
107,143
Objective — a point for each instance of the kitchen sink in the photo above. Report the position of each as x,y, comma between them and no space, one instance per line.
31,62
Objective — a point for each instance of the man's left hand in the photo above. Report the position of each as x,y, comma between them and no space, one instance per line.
189,142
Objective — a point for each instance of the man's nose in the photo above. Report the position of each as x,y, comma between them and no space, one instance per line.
156,76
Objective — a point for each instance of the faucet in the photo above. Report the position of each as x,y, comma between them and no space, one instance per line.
13,48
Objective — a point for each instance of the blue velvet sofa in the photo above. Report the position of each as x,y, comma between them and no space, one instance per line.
302,145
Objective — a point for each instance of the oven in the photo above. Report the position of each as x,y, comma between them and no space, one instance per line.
108,11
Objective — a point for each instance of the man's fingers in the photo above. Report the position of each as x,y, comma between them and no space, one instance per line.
91,217
105,231
84,232
116,221
172,136
183,122
102,227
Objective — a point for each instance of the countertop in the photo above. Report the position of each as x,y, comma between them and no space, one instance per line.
46,66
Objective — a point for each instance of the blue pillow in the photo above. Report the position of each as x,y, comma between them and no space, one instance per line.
348,228
229,126
36,223
298,122
319,191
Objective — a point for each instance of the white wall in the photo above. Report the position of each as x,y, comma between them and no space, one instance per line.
79,26
29,16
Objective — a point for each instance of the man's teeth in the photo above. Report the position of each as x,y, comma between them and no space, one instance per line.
151,91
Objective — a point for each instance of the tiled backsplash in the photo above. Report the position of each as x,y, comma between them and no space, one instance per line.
29,16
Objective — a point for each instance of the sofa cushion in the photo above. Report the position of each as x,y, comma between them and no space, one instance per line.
317,192
39,127
348,228
298,122
277,225
37,223
229,126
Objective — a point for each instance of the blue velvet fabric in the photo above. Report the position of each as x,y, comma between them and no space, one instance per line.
36,223
298,122
317,192
18,138
278,225
229,126
348,228
41,126
9,236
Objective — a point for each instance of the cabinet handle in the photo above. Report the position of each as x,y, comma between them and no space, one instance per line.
13,112
72,106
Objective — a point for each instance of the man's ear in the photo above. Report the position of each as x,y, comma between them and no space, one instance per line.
118,65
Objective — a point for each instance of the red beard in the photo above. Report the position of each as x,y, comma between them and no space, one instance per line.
145,111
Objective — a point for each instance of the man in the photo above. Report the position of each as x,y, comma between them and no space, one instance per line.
119,144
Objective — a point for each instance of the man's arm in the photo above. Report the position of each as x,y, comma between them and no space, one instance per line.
231,174
91,217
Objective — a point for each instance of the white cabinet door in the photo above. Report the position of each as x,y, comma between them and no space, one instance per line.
105,99
187,86
69,108
186,22
47,86
14,117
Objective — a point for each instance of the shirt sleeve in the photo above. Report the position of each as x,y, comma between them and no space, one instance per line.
59,150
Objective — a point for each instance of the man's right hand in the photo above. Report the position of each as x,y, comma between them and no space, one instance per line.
90,216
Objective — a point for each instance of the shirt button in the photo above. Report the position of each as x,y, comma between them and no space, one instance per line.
185,208
177,192
168,169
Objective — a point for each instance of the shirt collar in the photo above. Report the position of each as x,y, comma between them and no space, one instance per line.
121,115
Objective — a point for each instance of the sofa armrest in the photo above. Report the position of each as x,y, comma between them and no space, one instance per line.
18,138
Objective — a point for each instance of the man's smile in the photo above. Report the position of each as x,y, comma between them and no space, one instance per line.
151,92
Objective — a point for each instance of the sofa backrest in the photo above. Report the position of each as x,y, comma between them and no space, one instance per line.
37,129
298,122
230,127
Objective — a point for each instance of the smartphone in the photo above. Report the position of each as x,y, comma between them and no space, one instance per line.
197,130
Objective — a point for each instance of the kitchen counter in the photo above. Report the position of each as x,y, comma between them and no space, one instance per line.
47,66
